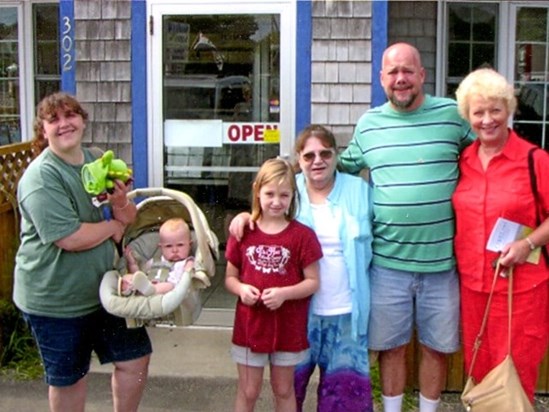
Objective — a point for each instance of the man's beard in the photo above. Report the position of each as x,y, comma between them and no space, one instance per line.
403,104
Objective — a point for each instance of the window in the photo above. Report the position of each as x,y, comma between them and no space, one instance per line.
472,35
223,68
214,63
22,85
9,77
46,50
531,74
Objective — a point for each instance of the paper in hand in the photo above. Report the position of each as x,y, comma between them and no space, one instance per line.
506,231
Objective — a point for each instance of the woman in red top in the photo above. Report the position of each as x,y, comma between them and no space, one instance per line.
495,182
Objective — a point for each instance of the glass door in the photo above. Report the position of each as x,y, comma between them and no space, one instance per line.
222,102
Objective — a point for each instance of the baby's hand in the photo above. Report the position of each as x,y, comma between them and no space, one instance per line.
127,284
128,253
189,264
249,295
131,262
273,298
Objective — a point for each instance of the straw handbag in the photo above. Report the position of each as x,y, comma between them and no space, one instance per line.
500,390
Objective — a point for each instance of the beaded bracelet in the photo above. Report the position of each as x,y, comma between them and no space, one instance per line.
123,207
530,243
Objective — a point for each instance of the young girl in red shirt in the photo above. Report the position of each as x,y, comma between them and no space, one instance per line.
273,271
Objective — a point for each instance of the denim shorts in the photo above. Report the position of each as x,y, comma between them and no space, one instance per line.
245,356
398,299
66,344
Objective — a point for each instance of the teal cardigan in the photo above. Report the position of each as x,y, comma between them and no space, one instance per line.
352,195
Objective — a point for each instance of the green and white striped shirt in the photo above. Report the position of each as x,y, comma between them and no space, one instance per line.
413,163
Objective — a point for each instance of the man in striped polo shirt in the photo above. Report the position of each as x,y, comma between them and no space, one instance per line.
410,145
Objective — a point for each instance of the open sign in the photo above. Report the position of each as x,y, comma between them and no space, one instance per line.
251,133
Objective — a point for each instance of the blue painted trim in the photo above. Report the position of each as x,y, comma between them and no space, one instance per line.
67,55
304,41
380,23
139,94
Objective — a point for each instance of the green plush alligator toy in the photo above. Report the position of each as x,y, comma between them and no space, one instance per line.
99,176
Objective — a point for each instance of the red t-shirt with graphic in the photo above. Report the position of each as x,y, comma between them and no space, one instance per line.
273,260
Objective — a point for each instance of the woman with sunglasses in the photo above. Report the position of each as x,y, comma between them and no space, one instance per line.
338,208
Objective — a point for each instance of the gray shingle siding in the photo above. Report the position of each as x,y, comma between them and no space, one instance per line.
341,64
415,22
103,72
342,50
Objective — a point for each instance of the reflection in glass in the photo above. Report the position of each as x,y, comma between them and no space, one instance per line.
530,64
532,132
483,55
9,77
484,23
531,114
47,73
472,29
213,63
46,64
460,61
459,17
532,75
531,24
222,68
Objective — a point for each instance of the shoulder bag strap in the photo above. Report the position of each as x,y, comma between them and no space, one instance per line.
478,339
534,185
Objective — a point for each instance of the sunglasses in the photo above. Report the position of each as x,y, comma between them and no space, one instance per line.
324,155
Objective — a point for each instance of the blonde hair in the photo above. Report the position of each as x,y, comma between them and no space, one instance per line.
488,84
173,225
278,171
47,108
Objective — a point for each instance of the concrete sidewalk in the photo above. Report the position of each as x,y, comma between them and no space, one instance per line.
181,352
199,375
190,371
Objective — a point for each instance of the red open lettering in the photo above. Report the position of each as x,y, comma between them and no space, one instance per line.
247,131
258,136
233,133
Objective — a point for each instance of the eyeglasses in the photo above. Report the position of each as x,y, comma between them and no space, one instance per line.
324,155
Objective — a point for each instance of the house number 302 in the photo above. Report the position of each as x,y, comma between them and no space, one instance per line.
67,44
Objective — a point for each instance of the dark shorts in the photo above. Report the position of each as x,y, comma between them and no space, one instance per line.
66,344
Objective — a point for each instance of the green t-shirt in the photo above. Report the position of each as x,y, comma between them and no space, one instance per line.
413,163
50,281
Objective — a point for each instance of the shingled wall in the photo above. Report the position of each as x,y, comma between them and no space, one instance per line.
103,72
342,75
415,22
341,64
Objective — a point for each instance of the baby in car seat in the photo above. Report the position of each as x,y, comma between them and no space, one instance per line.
175,244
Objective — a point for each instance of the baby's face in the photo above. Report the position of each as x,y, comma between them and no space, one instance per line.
175,246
